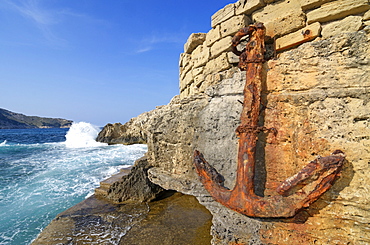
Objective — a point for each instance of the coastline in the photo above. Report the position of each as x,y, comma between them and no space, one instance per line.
179,218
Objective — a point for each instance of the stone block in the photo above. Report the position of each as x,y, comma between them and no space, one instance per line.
185,69
285,24
213,36
304,35
223,14
197,71
311,4
274,11
248,6
221,46
337,10
366,16
198,80
281,18
216,65
348,24
188,79
185,59
234,24
184,93
194,40
193,89
200,55
232,58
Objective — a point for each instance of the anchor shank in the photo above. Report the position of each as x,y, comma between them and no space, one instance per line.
252,62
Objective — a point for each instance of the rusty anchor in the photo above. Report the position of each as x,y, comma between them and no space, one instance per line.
317,177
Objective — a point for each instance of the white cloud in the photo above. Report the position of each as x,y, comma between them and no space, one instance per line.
153,41
44,19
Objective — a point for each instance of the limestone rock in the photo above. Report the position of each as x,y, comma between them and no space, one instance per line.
223,14
221,46
304,35
367,15
218,64
337,10
213,35
311,4
200,56
234,24
248,6
194,40
135,186
348,24
281,18
129,133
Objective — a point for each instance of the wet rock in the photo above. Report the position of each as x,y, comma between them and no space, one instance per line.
174,219
135,186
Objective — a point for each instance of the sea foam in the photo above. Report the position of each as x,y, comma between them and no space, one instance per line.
82,134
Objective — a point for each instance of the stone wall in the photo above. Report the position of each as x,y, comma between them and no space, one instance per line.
317,97
208,55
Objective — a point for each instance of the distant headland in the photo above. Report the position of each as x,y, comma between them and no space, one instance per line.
12,120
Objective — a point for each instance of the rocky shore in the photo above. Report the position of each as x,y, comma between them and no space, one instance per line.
12,120
178,218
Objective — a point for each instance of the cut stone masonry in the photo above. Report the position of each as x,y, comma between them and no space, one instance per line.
290,23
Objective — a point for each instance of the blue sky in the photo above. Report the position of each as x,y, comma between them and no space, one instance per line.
93,60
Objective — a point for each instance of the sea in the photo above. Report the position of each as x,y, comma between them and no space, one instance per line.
46,171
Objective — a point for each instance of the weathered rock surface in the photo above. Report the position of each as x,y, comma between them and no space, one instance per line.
178,218
317,97
130,133
135,186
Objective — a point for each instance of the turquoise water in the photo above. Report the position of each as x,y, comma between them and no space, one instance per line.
45,171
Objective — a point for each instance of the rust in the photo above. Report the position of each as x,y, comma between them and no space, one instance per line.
306,33
314,179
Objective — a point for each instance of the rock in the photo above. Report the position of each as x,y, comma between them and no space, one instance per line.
92,221
194,40
223,14
281,18
130,133
135,186
348,24
234,24
248,6
218,64
337,10
213,35
221,46
367,15
180,219
200,56
311,4
293,39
